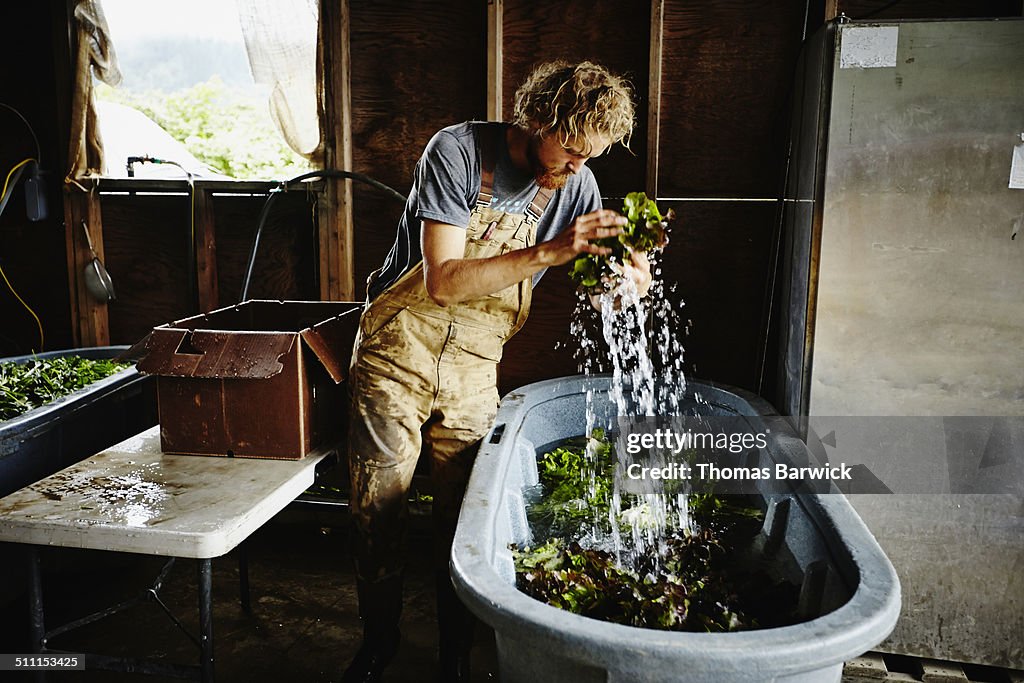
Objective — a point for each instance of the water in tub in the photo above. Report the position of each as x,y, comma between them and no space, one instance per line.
643,350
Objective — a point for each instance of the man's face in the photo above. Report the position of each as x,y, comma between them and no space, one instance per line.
553,162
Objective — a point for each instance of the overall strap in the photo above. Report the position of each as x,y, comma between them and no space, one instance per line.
490,142
488,158
540,202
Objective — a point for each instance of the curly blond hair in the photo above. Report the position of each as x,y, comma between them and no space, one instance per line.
576,102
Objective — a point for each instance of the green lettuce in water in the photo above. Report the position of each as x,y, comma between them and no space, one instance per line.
701,581
564,500
646,231
25,386
575,490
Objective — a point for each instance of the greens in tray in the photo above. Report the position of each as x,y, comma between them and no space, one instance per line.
24,386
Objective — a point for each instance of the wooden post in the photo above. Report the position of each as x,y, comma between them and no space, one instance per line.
71,221
337,240
654,96
90,324
206,250
831,9
495,14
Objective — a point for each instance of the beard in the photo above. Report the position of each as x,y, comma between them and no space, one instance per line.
548,178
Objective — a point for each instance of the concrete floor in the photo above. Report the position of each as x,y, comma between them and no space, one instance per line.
303,625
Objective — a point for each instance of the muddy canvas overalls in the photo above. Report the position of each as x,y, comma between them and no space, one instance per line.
426,375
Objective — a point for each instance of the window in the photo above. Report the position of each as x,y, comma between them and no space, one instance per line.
189,95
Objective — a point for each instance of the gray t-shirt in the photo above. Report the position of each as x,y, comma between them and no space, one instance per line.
446,183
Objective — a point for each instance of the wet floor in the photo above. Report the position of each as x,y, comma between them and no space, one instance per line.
303,625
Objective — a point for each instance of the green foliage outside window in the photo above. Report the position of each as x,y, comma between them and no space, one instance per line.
227,129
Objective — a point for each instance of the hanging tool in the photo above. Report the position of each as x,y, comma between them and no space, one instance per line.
97,279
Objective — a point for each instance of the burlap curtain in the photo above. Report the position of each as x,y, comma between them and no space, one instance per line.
95,55
281,40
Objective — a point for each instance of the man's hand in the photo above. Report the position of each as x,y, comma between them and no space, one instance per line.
638,269
576,239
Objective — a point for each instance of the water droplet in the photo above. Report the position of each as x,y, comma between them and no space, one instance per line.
637,341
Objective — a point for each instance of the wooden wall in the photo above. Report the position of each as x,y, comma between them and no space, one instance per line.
146,244
538,32
927,9
534,34
416,67
723,75
32,255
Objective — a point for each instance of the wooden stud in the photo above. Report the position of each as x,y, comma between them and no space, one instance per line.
495,84
99,321
495,17
831,9
654,95
71,221
206,250
337,240
811,322
90,320
174,186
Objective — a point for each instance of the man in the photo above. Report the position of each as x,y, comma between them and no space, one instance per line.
492,206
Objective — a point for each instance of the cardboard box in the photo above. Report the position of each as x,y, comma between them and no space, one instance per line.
262,379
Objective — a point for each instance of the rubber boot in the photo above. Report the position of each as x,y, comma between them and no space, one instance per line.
455,633
380,606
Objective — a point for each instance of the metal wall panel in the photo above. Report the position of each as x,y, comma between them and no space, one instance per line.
920,303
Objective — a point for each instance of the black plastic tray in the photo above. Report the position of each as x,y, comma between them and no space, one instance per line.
47,439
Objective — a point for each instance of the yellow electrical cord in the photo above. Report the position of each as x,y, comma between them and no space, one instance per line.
4,275
20,164
28,308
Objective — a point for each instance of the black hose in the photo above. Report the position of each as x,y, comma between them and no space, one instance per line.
265,211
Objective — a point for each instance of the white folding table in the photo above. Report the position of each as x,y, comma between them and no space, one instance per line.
133,498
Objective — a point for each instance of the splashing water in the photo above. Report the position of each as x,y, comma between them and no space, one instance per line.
644,353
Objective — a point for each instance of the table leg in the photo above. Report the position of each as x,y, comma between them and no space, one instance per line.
37,625
206,620
243,578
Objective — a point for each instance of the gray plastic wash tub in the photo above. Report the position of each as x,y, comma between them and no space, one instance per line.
849,590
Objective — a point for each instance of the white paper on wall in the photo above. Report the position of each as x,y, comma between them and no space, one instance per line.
1017,168
868,47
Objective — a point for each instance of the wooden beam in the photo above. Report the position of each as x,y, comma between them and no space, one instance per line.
99,321
831,9
495,17
654,96
180,186
89,318
337,240
206,250
71,220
